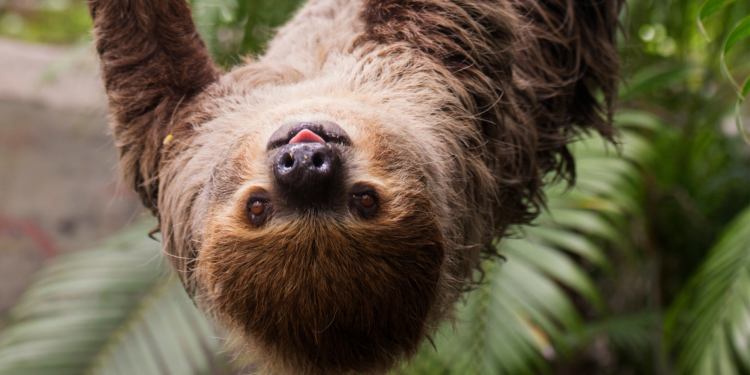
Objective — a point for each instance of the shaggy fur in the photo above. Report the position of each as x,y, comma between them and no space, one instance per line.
456,111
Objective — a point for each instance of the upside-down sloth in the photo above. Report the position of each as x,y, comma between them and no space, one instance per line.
329,201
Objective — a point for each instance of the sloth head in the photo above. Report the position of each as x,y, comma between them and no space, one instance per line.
329,201
320,243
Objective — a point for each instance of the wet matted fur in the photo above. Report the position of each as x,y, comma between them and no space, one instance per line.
456,111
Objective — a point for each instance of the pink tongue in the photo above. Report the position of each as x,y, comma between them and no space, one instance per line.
306,136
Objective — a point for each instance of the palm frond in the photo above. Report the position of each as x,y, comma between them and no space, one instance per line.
114,310
708,324
523,313
630,333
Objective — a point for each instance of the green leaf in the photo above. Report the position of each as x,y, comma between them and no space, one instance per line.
739,32
631,333
707,325
738,113
569,241
655,77
709,8
553,263
638,119
114,310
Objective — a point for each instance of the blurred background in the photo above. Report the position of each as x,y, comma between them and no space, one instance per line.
59,190
642,268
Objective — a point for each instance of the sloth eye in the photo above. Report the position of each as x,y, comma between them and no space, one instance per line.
258,207
366,200
364,203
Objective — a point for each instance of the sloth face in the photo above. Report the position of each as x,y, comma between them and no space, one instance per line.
321,244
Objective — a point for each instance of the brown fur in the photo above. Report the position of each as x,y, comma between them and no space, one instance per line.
153,63
456,111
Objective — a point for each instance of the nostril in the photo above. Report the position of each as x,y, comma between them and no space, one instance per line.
318,159
308,174
287,160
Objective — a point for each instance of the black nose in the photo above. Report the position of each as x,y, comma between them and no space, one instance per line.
307,172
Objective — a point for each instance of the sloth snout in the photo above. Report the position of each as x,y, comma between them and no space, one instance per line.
307,164
307,171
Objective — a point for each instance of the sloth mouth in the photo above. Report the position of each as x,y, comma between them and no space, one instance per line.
306,136
321,132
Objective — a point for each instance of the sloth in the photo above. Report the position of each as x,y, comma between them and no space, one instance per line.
329,201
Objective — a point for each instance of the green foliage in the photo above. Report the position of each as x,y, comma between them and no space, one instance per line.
698,180
55,21
709,8
708,323
117,309
739,32
234,29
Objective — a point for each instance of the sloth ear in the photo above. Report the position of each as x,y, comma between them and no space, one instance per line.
154,64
